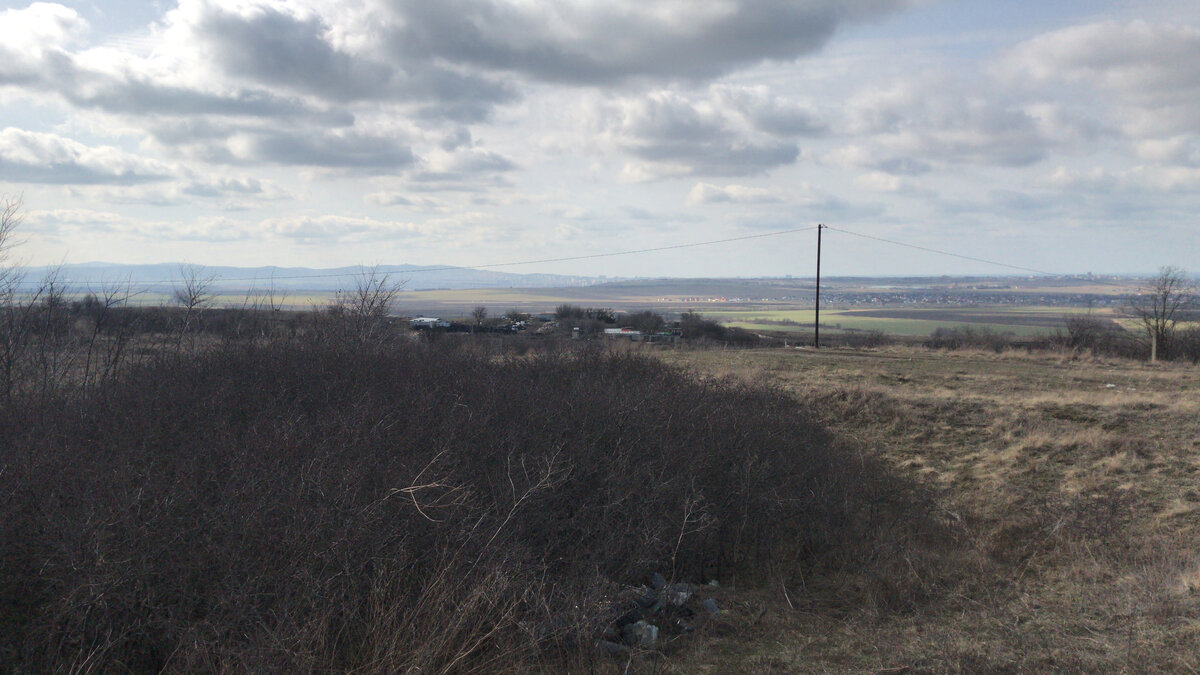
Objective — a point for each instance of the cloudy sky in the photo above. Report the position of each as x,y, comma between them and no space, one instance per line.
1061,135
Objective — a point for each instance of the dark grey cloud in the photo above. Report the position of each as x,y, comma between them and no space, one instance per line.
715,156
242,143
606,42
771,114
903,166
913,124
695,137
331,149
460,137
454,95
142,97
267,46
127,92
272,47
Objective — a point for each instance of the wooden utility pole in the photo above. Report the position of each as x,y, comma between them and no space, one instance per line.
817,304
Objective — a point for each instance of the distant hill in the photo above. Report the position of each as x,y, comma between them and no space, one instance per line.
165,276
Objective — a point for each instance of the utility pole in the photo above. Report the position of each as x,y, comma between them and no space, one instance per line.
817,304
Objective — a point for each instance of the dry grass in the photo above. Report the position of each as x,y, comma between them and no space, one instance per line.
1075,484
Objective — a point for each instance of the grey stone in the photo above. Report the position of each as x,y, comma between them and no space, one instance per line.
710,606
641,634
647,599
677,594
657,582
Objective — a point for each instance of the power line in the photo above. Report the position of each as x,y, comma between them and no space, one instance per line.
940,252
514,264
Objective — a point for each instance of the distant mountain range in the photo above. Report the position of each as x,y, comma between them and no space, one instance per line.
166,276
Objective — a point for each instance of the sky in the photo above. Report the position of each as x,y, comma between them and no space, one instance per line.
1055,135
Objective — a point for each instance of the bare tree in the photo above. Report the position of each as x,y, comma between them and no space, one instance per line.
14,315
479,314
1161,303
10,217
109,333
365,309
194,294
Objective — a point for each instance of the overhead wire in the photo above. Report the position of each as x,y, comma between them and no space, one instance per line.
940,252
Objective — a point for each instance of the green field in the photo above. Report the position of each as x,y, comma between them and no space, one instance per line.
1019,321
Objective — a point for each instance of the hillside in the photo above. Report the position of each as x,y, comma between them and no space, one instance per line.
1074,482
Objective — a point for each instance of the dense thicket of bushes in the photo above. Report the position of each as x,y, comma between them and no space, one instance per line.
693,326
1081,334
964,337
306,505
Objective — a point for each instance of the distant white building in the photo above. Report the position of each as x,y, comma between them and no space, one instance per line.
630,333
428,322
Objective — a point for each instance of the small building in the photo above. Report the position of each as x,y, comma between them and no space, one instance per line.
634,335
669,337
427,323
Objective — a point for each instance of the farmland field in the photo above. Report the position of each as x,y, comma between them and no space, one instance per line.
1023,321
1020,307
786,306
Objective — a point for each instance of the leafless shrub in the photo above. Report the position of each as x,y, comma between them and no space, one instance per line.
694,326
968,337
303,505
866,339
10,218
194,293
258,316
1187,344
645,321
361,315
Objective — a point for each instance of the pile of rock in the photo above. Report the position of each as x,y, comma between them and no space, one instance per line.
649,615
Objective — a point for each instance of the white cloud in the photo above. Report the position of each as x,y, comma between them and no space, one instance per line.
32,157
42,27
1149,72
706,193
945,120
882,182
1143,179
337,228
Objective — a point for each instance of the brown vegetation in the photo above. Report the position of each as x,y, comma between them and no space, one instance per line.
314,503
1072,478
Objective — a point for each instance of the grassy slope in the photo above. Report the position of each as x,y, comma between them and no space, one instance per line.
1075,481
